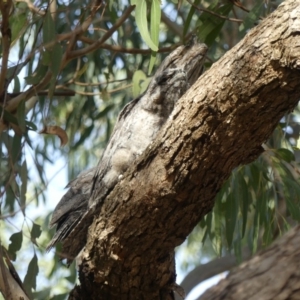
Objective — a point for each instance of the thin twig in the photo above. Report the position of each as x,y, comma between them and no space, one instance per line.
238,4
107,35
78,30
46,92
117,48
99,83
214,14
13,103
108,91
62,37
82,28
5,7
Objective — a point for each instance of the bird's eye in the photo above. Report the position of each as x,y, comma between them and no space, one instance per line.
164,78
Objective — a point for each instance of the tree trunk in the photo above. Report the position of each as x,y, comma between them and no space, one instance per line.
272,274
219,124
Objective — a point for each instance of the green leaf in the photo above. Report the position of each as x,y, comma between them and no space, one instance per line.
285,154
255,174
51,57
9,117
237,245
44,294
82,70
17,85
142,23
12,72
21,115
255,230
32,272
24,174
144,84
104,111
16,244
155,17
84,136
48,28
9,198
251,17
293,209
56,57
46,58
217,236
111,2
292,189
31,126
138,77
268,235
35,232
189,17
18,24
152,62
211,26
230,218
245,201
37,76
16,148
261,207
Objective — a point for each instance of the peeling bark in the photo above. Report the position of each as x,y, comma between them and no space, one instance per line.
219,124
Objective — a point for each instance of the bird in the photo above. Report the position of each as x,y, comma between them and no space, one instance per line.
136,128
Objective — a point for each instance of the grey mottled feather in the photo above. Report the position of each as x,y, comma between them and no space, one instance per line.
136,127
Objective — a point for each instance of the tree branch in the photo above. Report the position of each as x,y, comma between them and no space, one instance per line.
210,269
252,279
219,124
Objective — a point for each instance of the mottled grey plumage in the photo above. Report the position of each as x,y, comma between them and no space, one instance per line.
136,127
72,206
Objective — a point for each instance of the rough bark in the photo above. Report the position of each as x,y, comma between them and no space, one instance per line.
272,274
218,124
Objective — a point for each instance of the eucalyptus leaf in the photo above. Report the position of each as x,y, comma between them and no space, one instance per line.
16,240
155,17
24,178
142,23
48,28
21,116
35,232
30,277
138,77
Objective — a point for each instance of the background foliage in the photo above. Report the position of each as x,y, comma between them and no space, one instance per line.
67,68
